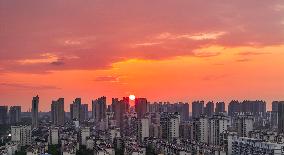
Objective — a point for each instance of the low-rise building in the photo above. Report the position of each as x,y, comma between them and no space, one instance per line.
249,146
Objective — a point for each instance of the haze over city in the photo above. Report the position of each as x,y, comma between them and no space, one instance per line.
164,50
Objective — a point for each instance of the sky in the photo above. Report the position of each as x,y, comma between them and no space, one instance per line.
164,50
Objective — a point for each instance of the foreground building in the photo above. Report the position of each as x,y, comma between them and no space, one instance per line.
170,125
218,125
244,125
143,129
21,135
250,146
54,136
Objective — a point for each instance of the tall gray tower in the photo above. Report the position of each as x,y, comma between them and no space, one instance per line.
35,103
57,112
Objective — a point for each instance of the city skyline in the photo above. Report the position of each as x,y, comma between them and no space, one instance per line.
141,77
182,50
209,107
43,107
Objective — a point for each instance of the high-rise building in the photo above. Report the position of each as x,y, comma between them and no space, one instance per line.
250,146
234,108
274,113
275,105
180,107
143,129
3,114
130,125
15,114
84,112
85,132
119,107
281,117
220,107
99,108
21,134
203,128
195,132
54,136
57,112
170,125
197,108
35,104
156,107
75,109
244,125
183,110
200,129
218,125
257,108
141,107
184,130
209,109
155,131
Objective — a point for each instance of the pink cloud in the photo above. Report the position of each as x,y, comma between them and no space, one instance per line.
99,32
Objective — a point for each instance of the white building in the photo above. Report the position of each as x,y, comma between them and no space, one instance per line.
170,125
174,127
184,153
9,149
143,129
69,149
244,125
114,133
85,132
218,125
76,123
21,134
203,129
90,143
248,146
53,136
105,151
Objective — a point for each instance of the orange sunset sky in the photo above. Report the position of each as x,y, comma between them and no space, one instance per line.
164,50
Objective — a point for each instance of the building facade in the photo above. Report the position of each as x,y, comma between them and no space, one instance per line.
21,134
57,112
35,105
3,115
99,109
15,114
197,108
75,109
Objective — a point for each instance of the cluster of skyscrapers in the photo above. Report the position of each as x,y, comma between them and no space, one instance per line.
162,127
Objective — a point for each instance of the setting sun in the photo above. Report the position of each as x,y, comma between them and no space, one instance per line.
132,97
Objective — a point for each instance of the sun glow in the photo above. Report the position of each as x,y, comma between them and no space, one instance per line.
132,97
